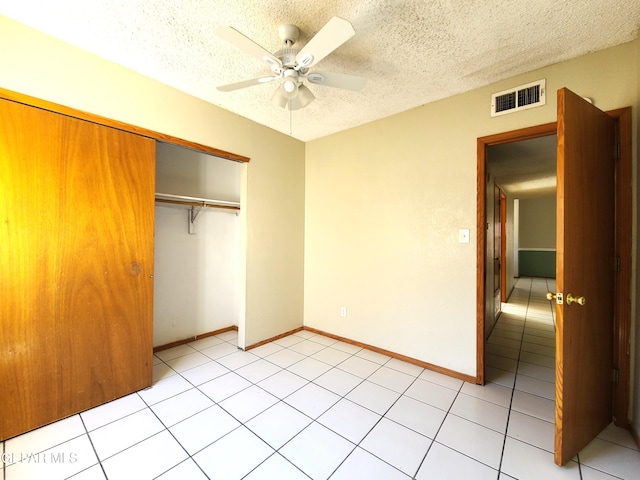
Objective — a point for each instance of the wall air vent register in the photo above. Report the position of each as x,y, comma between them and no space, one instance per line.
518,98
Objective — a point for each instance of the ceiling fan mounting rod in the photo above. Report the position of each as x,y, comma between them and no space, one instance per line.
288,34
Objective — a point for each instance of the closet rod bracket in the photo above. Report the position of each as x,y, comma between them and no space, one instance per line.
193,214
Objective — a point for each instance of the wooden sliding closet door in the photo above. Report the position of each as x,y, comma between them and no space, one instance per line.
76,264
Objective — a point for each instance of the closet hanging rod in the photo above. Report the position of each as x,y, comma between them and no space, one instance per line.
196,201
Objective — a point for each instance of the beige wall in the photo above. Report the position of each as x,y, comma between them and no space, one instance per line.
538,223
272,190
384,203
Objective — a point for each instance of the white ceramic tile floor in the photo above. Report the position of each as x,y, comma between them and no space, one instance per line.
312,400
233,456
472,439
204,428
181,407
363,465
374,397
308,406
279,424
117,436
204,373
338,381
317,450
383,441
350,420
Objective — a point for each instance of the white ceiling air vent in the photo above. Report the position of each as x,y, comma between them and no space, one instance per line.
518,98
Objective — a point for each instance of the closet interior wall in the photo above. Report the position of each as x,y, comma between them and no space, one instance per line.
197,279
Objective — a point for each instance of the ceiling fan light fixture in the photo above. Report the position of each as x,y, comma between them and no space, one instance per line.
289,85
305,96
278,99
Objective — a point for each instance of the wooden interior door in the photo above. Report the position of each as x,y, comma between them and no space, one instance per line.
76,249
585,253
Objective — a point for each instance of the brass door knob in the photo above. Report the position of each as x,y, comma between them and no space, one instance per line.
571,299
551,296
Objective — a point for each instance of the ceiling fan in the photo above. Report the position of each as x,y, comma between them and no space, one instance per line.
290,66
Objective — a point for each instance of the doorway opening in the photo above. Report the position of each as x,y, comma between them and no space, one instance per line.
197,246
521,236
622,293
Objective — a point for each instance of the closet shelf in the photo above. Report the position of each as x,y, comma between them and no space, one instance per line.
196,201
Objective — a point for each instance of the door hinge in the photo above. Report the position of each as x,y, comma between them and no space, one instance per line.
617,153
618,264
614,375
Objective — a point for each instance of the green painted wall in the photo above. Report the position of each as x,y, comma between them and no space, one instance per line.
537,263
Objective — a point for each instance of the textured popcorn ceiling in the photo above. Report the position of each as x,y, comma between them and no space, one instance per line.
412,51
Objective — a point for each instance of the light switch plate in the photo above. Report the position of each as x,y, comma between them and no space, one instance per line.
463,235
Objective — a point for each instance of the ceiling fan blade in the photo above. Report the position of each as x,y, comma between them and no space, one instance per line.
337,80
237,39
331,36
245,83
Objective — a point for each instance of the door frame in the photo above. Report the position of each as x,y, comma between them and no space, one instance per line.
500,219
496,228
503,247
623,240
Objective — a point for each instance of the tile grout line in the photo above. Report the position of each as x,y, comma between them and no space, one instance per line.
166,428
94,449
438,431
513,389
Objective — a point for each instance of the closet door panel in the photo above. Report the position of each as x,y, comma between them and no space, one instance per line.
76,247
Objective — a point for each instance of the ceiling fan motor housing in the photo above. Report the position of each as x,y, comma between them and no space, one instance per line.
287,56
